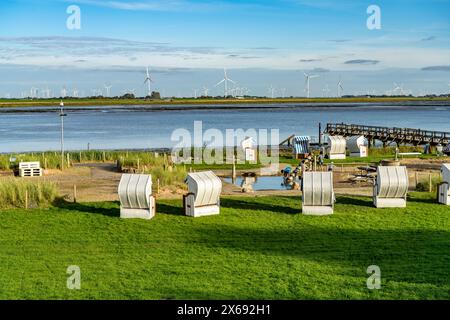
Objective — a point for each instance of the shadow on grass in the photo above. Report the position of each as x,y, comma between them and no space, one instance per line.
169,209
410,255
363,202
89,208
428,200
260,206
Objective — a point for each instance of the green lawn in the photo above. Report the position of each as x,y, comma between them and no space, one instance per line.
257,248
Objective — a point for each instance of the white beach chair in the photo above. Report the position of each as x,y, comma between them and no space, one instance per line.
203,197
135,194
391,187
318,194
444,187
336,147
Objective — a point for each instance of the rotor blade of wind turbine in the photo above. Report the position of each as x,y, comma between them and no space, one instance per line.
231,80
219,83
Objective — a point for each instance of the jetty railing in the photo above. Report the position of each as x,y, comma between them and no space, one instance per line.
390,134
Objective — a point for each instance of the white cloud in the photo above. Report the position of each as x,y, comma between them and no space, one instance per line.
86,52
167,5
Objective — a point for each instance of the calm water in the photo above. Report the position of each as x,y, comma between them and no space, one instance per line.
263,183
120,128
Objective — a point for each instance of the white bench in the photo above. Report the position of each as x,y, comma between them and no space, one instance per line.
30,169
444,187
135,195
203,197
391,187
318,194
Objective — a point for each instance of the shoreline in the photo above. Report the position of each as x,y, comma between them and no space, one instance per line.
263,104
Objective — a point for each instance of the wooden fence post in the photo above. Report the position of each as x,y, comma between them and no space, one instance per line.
157,191
417,178
26,199
74,193
430,182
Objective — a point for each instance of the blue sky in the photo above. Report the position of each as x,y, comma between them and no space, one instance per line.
266,38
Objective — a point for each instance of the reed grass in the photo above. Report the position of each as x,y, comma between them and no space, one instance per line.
391,150
22,192
52,160
423,183
172,176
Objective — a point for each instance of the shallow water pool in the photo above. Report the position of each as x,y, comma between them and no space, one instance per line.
263,183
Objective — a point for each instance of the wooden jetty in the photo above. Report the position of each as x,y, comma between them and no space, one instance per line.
389,135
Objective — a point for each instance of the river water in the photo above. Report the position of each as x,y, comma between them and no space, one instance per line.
131,128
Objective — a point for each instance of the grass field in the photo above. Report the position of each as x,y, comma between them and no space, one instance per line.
257,248
188,101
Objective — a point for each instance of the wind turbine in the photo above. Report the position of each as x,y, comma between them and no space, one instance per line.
339,88
225,81
148,80
326,91
34,92
283,92
64,92
307,80
47,92
272,91
108,88
75,93
205,91
399,88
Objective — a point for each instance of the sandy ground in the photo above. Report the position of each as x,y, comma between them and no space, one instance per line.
99,181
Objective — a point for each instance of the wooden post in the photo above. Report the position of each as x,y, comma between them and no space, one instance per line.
80,157
45,163
104,156
26,199
233,170
138,164
430,186
157,185
74,193
416,178
68,160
